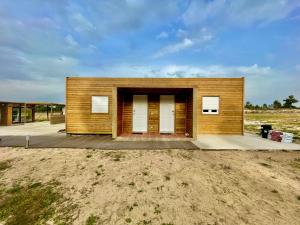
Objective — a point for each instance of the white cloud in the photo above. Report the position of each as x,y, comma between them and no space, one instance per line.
174,70
182,45
212,70
181,33
238,12
185,43
81,23
162,35
297,67
260,81
71,42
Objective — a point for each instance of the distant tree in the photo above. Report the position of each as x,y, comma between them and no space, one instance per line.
257,107
264,106
289,101
277,104
249,105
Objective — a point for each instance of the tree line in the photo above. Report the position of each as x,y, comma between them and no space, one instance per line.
287,103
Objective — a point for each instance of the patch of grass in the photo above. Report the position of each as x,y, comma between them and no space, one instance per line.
145,173
91,220
274,191
157,209
130,208
298,197
99,173
5,165
144,222
116,156
35,185
95,183
128,220
265,165
160,188
296,163
148,182
89,155
188,154
14,189
225,167
167,177
167,224
193,207
184,184
131,184
31,204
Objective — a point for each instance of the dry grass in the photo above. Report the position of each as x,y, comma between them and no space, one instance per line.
284,120
34,203
5,165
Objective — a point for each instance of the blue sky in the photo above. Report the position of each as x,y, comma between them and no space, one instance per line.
42,42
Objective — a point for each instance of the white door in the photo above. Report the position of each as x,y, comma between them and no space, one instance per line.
167,114
140,113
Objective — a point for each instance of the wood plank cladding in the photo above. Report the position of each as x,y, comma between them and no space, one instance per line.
153,113
189,115
180,113
6,115
119,113
228,121
127,114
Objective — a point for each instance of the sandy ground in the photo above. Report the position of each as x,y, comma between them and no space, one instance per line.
167,187
33,129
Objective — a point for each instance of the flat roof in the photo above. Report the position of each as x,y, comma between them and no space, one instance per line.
30,103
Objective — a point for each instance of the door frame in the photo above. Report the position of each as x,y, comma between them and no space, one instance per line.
174,119
147,130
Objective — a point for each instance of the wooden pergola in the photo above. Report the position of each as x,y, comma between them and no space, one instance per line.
6,111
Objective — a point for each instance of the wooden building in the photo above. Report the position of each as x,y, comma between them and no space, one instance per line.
178,106
22,112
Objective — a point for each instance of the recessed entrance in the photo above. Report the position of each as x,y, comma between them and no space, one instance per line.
167,114
155,112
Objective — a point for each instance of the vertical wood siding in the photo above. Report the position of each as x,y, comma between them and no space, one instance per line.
6,115
180,113
127,113
189,115
153,113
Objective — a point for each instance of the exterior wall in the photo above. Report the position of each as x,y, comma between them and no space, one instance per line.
189,115
80,120
6,115
153,113
230,119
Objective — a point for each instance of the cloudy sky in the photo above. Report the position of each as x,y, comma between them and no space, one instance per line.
42,42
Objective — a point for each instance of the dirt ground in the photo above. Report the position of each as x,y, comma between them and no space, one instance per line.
170,187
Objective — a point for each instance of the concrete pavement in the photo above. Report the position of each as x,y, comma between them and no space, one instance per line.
238,142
